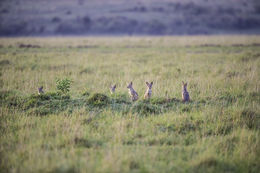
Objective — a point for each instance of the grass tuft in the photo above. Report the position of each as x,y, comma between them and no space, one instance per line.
98,100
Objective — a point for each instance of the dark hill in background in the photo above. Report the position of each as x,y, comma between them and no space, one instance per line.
128,17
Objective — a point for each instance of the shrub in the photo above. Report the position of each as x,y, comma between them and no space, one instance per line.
63,85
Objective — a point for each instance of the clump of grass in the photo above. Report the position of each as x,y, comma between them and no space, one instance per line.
206,164
98,100
159,100
224,128
134,165
10,99
87,143
42,110
144,108
186,126
87,71
37,100
249,56
213,164
64,168
4,62
227,146
185,108
228,98
232,74
250,119
120,98
48,103
85,93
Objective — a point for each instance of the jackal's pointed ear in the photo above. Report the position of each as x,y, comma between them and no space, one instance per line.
152,83
115,86
183,83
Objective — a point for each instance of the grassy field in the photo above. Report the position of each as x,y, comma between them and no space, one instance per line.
90,130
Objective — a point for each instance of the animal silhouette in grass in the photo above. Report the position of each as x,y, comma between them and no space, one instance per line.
113,89
148,92
185,93
133,94
40,90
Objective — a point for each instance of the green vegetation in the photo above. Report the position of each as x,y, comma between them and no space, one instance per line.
81,127
63,85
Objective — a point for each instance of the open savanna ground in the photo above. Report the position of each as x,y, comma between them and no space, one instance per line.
87,129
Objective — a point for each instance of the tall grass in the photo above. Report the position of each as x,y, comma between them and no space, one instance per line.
90,130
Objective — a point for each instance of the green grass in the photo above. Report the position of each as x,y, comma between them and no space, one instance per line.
90,130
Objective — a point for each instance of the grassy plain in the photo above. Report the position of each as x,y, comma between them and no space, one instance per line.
90,130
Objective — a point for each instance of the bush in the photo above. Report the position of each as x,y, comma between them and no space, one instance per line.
63,85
